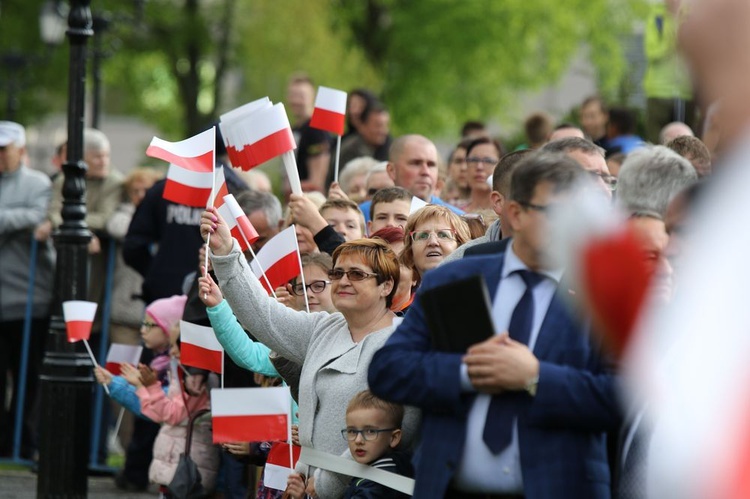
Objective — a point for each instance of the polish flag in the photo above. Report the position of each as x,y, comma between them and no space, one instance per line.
269,134
251,414
191,169
239,225
279,258
330,110
200,348
277,468
416,204
233,131
79,318
220,188
122,354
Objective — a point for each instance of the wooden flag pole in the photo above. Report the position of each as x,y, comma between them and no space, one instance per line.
302,276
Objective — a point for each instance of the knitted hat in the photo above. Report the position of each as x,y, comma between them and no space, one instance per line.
167,312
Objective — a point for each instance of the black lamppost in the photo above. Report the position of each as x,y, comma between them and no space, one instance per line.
66,381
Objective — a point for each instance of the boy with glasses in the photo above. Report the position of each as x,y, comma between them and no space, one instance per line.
373,430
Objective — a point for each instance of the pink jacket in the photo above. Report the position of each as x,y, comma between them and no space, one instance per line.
170,443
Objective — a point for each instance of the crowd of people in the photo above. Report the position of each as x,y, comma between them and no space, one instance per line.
533,410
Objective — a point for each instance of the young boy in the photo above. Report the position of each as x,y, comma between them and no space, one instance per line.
345,218
373,430
390,207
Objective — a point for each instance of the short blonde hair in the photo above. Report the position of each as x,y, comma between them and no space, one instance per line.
424,214
367,400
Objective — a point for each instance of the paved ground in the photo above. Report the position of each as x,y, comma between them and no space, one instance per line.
22,485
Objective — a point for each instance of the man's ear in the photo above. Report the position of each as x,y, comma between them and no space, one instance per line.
369,227
391,170
395,438
498,200
513,212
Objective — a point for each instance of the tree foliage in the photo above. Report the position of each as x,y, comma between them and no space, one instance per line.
443,62
435,62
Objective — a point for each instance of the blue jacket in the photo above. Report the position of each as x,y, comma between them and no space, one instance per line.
561,430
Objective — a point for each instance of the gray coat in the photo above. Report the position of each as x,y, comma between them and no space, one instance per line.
334,366
24,198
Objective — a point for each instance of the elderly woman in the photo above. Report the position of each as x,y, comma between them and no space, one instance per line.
335,349
432,233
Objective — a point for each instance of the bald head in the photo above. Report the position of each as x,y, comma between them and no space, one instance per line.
674,130
413,165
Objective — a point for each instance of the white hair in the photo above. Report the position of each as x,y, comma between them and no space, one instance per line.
650,177
353,168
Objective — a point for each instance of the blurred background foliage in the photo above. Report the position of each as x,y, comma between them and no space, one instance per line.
178,64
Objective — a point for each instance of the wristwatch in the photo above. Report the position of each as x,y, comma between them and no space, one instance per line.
531,386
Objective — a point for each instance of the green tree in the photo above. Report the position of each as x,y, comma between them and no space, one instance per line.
443,62
435,62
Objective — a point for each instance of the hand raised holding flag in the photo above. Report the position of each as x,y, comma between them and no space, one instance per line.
214,225
210,294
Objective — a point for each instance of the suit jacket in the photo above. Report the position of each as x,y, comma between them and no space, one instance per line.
489,248
561,429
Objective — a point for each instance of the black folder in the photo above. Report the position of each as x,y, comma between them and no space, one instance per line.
458,314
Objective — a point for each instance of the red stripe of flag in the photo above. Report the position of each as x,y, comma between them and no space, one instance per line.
282,271
78,330
113,367
249,428
203,358
270,146
202,163
186,195
329,121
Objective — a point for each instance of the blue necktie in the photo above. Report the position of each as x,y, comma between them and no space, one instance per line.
498,428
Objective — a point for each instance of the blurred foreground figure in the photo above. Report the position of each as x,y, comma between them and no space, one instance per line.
681,358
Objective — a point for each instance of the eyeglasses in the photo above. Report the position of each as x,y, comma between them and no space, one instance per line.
368,434
491,162
148,325
422,236
353,275
610,180
535,207
315,286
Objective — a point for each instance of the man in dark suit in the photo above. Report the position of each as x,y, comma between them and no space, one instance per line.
524,413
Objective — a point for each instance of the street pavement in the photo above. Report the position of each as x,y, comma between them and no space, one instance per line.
21,484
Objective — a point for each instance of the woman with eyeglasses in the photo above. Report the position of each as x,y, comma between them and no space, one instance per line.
482,156
334,349
317,286
432,233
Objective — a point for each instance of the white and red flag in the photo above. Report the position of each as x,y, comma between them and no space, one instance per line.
279,259
233,126
260,133
251,414
200,348
190,177
239,225
330,111
122,354
79,318
278,468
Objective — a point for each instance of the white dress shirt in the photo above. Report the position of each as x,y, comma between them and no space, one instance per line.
479,469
